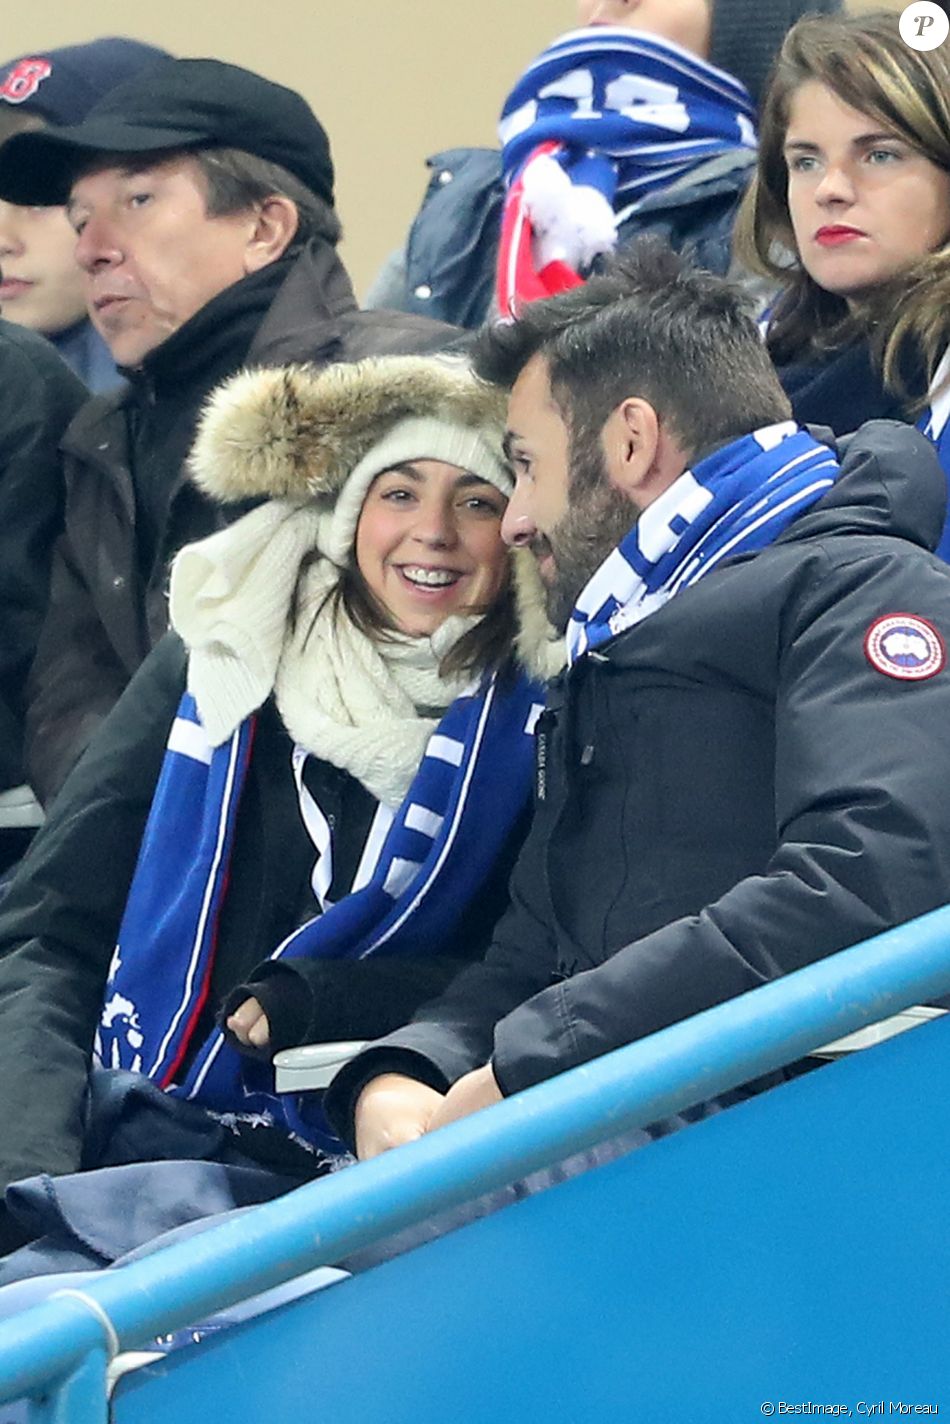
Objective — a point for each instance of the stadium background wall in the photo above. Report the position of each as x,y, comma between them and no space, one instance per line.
393,80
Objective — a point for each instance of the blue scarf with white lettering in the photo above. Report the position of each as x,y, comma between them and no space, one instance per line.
737,501
622,113
472,784
636,110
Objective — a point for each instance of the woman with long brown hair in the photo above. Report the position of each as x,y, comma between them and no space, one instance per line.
850,213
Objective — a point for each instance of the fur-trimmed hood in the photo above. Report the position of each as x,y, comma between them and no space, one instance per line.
298,433
539,649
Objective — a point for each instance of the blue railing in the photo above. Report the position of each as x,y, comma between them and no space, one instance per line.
60,1348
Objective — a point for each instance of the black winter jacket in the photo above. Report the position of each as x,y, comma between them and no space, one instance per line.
59,921
726,792
39,396
107,606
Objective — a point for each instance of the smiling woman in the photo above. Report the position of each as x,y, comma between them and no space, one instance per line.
427,543
853,182
335,753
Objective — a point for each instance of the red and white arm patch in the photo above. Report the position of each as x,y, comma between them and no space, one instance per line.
905,646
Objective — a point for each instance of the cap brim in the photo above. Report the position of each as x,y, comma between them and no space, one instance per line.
38,168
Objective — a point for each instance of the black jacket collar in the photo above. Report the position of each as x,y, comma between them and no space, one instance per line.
307,313
891,485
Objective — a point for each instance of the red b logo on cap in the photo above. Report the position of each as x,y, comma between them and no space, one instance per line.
24,79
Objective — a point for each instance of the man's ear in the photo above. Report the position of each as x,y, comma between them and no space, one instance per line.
274,228
631,438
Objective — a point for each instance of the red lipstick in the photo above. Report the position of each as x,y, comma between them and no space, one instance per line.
837,234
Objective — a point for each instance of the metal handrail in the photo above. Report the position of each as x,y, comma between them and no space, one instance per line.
326,1221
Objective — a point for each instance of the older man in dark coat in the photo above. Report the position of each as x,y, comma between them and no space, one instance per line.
202,200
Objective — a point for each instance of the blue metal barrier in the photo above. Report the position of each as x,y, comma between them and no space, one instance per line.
46,1348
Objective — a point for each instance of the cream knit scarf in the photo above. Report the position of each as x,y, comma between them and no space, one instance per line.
367,706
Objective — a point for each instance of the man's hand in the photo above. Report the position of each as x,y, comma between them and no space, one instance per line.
249,1025
392,1109
476,1090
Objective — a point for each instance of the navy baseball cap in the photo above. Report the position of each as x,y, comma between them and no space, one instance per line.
62,85
173,104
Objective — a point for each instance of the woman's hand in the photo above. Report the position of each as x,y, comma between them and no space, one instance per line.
249,1025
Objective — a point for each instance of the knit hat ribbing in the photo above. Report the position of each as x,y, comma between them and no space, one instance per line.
747,35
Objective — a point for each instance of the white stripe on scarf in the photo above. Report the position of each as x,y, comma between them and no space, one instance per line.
736,501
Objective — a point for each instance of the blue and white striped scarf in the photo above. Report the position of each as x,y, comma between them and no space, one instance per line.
631,112
603,119
935,422
437,855
737,501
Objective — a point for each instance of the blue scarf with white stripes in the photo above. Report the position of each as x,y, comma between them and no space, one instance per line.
603,119
440,850
737,501
631,112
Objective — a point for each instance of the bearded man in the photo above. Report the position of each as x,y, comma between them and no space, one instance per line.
742,769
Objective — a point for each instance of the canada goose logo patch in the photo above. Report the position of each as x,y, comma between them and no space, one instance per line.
905,647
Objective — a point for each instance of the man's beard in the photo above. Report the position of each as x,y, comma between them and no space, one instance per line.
598,517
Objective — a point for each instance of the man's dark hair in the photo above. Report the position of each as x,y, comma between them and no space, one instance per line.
237,180
234,182
650,326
